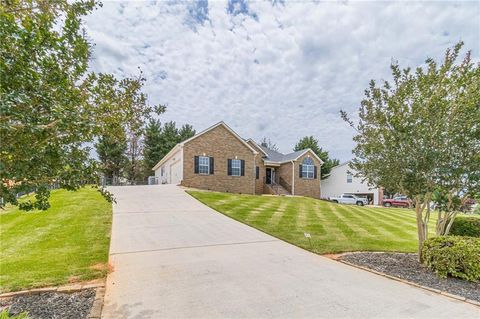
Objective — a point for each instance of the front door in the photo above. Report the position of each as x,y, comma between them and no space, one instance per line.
268,176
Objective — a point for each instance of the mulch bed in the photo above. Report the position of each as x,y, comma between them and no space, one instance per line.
407,267
52,305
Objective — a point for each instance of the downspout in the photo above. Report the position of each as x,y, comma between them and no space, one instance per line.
293,177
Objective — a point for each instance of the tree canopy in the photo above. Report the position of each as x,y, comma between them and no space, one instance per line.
111,151
160,140
266,142
51,106
420,134
312,143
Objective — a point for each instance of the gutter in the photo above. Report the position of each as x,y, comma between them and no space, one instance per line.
168,155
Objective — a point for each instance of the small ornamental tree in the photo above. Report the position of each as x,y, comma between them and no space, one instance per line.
420,134
312,143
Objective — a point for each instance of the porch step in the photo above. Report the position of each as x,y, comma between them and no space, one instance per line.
278,189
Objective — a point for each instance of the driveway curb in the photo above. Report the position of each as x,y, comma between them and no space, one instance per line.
440,292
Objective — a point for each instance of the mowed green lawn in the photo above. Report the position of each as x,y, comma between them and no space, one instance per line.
333,227
68,242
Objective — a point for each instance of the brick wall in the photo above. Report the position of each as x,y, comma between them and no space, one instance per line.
285,172
259,183
222,145
303,186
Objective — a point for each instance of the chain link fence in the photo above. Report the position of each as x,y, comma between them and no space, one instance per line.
121,181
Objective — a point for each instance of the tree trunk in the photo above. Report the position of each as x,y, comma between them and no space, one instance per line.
420,230
422,225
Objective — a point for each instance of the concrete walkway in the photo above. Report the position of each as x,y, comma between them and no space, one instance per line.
173,257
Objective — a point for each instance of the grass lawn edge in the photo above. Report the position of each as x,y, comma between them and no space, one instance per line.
327,254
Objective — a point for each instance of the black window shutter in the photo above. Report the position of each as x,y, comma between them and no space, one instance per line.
229,167
257,172
300,171
242,167
196,165
315,172
211,165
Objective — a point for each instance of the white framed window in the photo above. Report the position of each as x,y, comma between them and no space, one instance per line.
236,167
162,171
349,178
204,165
308,168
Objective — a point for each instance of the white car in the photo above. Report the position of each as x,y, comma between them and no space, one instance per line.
349,199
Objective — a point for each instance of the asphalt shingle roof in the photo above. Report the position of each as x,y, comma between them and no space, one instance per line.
274,156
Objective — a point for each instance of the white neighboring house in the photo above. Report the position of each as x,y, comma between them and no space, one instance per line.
342,180
170,169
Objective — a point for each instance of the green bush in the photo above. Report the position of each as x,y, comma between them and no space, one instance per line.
453,255
466,226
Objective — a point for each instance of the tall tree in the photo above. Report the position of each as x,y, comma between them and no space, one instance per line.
152,145
160,140
111,151
421,134
50,106
266,142
185,132
169,137
134,165
312,143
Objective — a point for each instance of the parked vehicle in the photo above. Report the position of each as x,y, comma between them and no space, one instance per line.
349,199
399,201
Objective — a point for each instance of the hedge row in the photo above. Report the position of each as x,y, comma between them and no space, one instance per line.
466,226
453,255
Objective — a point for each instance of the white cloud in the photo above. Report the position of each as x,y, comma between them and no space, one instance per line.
282,71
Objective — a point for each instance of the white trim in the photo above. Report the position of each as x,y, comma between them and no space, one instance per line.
180,145
228,129
166,157
239,167
307,150
203,165
270,163
342,164
250,140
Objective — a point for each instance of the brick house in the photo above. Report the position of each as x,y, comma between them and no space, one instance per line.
219,159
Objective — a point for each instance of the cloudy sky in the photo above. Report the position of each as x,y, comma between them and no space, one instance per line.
276,69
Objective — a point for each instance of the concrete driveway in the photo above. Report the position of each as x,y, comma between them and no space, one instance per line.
174,257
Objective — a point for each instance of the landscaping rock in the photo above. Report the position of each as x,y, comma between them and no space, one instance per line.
52,305
407,267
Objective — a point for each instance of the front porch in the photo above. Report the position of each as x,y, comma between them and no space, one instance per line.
274,183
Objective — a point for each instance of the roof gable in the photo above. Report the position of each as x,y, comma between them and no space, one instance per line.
256,146
180,145
274,156
228,129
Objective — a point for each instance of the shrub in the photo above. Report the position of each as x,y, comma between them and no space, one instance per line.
466,226
453,255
